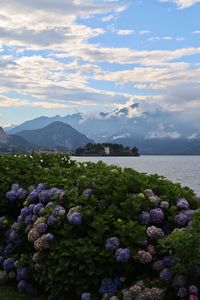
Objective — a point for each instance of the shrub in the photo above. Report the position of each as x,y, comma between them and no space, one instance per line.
94,231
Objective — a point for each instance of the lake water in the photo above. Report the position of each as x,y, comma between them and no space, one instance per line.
182,169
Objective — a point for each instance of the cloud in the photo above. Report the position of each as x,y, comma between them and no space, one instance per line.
125,32
182,3
143,32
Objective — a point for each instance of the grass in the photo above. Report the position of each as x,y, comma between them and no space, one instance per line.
10,293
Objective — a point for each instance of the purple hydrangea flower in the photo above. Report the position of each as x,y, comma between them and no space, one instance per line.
49,237
188,213
88,192
182,292
37,208
28,220
33,196
8,248
22,286
156,215
8,264
108,287
167,262
44,197
181,220
42,227
58,210
22,274
51,220
15,186
12,195
13,236
122,255
75,218
166,274
21,194
41,187
193,289
24,212
145,217
86,296
112,243
182,203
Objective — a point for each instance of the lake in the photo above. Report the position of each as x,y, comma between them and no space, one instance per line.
182,169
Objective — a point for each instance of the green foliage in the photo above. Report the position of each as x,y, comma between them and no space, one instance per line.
77,261
184,244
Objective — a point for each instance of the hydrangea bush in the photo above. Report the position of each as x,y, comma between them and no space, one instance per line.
91,231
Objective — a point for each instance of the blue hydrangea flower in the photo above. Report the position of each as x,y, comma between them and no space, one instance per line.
122,255
21,194
13,236
22,274
145,217
12,195
44,197
75,218
24,212
37,208
51,220
15,186
41,187
112,243
42,227
8,264
108,287
86,296
28,220
156,215
49,237
33,196
167,262
8,248
166,274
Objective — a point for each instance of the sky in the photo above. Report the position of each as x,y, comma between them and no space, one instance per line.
68,56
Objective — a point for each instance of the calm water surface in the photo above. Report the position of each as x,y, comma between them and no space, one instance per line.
182,169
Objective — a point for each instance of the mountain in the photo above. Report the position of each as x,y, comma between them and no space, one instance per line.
12,143
9,127
56,134
134,125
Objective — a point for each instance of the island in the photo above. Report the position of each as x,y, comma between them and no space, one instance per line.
106,149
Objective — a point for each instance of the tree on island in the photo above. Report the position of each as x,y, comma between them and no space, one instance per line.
106,149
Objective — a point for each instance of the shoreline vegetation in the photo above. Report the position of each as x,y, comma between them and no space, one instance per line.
106,149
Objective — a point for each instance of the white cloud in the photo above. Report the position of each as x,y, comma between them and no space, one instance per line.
196,32
107,18
182,3
125,32
143,32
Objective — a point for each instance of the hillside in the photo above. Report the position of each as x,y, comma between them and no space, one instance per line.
56,134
